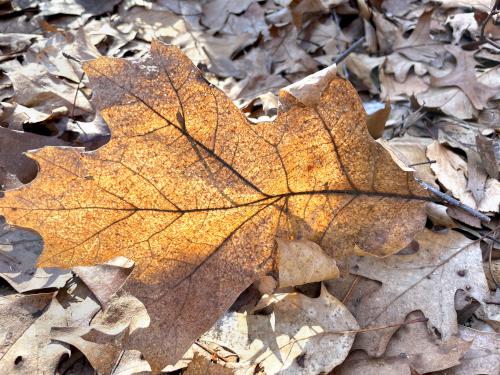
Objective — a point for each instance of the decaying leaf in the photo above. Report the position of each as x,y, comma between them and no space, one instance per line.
443,264
420,46
292,334
194,194
32,351
412,349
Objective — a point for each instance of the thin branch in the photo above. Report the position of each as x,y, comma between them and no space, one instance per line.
349,50
422,163
454,202
483,38
351,288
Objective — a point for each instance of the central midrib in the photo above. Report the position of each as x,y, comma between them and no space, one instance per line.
263,200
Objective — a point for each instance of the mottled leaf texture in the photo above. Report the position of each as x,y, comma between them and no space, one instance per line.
195,194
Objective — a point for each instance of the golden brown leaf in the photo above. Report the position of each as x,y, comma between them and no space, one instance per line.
195,194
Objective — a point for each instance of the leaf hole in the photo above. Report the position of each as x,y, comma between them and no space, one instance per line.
18,360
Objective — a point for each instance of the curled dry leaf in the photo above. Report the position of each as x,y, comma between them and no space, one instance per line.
302,262
104,280
443,264
411,348
299,335
195,195
102,341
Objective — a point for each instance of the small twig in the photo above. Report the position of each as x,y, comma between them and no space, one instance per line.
483,38
454,202
76,95
349,50
422,163
351,288
213,353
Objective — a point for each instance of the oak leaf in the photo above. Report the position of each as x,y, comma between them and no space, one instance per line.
443,264
195,195
464,77
412,347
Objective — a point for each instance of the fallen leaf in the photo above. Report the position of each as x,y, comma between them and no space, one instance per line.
33,351
18,312
464,77
485,148
19,251
451,170
302,262
419,46
15,168
375,122
462,23
412,150
104,280
483,356
186,186
412,349
202,366
296,335
443,264
362,67
102,341
132,363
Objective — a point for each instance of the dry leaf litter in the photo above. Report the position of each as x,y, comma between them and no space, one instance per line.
308,280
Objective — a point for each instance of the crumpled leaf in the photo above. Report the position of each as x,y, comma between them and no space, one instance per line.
412,349
186,185
443,264
293,334
102,341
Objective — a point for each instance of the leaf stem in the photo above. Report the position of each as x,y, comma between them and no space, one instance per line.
454,202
